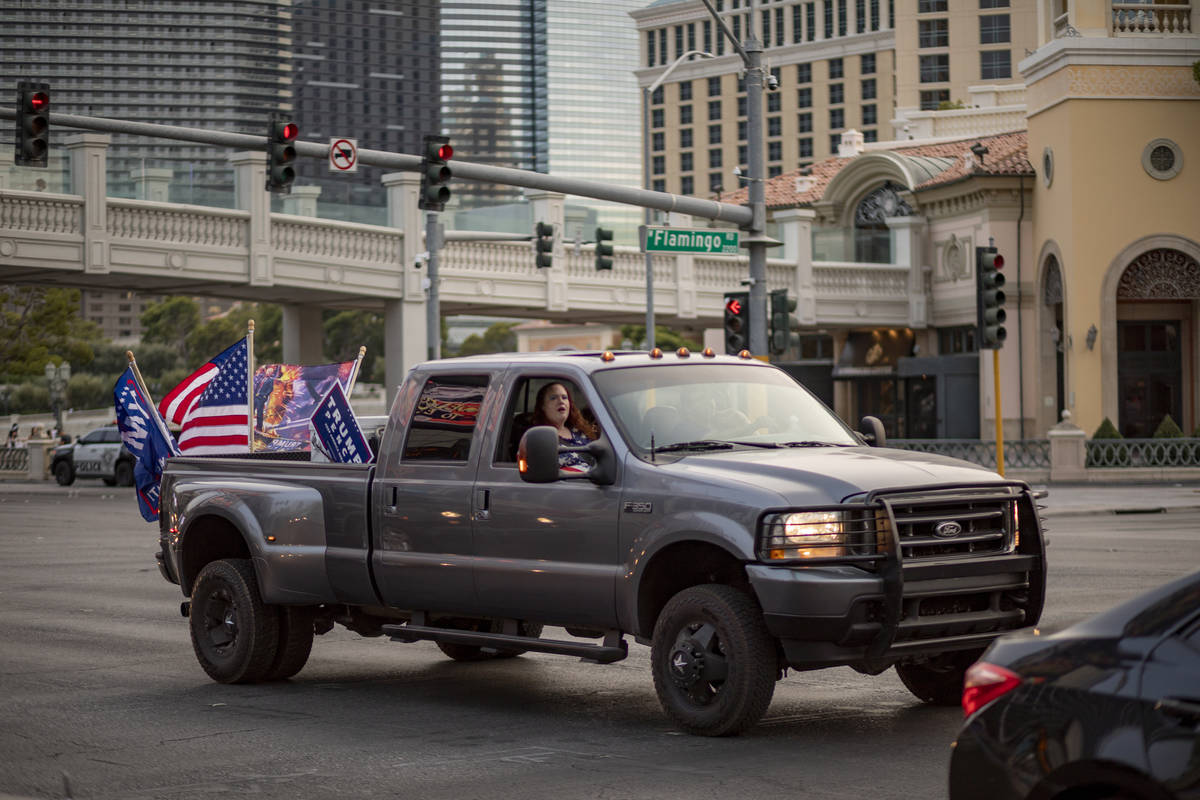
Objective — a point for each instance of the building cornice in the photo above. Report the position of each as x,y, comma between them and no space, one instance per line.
1166,51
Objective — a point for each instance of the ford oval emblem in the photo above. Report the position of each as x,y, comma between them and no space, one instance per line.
948,529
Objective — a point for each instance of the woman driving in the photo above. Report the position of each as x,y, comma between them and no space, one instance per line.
554,407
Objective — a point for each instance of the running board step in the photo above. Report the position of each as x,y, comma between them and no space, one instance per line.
613,649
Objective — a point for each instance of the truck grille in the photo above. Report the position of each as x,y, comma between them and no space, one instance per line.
959,522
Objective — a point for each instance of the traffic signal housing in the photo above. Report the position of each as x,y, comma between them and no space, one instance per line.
544,244
33,124
281,153
737,322
435,173
990,313
782,321
604,249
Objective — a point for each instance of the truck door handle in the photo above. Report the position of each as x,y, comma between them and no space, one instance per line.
483,499
393,495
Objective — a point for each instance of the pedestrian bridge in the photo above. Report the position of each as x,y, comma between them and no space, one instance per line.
87,239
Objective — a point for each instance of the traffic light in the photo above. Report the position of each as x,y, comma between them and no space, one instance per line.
544,236
604,251
782,321
281,153
737,322
435,172
33,124
990,314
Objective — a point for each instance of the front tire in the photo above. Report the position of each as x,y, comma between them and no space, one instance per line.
64,473
234,634
938,680
123,474
714,663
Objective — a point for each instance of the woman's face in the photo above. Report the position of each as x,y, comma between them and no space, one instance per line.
556,405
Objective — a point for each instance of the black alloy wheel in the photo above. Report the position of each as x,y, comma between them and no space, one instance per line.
64,473
714,662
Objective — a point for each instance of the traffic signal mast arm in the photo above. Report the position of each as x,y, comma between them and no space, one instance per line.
485,173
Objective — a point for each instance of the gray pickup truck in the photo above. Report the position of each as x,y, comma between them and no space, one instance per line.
722,515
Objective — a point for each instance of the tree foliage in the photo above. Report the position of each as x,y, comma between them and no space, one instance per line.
171,322
346,331
39,325
498,338
664,338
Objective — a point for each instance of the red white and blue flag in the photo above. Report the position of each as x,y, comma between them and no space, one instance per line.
212,405
144,437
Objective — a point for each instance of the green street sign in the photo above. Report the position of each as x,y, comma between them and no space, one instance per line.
674,240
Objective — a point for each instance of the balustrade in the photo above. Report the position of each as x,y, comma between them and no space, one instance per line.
1130,19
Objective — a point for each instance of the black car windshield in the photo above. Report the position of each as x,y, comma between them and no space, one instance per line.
740,404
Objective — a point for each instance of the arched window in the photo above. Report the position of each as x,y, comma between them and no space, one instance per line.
872,239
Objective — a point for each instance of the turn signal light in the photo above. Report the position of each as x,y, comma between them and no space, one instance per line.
984,683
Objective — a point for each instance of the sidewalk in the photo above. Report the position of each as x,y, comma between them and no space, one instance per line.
1122,498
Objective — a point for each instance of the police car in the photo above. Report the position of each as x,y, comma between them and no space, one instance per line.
96,454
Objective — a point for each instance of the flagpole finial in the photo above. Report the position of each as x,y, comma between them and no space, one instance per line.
129,355
362,350
250,326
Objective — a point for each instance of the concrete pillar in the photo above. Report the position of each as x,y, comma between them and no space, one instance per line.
404,320
576,228
249,178
153,184
795,230
302,202
907,238
89,164
1068,451
303,334
549,207
39,460
685,272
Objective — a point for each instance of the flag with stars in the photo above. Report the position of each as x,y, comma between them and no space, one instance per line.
145,437
212,405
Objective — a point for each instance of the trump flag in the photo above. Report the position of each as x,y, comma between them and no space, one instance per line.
145,438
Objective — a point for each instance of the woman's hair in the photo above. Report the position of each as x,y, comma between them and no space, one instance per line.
574,418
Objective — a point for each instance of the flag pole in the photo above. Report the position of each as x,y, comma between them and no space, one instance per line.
362,351
250,384
137,375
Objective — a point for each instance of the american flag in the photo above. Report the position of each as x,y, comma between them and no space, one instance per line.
212,405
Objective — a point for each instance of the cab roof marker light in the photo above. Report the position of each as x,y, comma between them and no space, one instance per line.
708,353
607,355
656,353
745,354
683,352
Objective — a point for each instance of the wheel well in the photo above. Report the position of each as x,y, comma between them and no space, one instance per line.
209,539
679,566
1092,780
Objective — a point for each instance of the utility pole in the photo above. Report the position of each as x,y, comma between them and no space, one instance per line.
757,242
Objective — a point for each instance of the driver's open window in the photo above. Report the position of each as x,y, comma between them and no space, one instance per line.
522,413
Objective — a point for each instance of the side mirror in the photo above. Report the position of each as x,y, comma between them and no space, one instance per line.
872,431
537,457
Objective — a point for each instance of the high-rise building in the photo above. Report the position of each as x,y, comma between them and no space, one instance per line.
367,70
839,64
219,66
543,85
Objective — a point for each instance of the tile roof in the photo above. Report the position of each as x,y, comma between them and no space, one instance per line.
947,162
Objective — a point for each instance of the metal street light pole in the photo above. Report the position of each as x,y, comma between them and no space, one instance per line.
646,93
757,242
56,380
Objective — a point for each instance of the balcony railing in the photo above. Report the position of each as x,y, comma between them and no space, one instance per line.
1109,453
1131,19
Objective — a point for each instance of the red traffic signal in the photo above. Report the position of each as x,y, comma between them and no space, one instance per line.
38,101
289,131
734,306
33,124
445,152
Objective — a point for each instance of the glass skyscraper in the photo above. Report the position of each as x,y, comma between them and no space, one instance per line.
544,85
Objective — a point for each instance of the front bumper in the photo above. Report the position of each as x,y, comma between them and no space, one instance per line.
834,615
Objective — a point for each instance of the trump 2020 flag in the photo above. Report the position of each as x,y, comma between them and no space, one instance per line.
212,405
145,438
337,430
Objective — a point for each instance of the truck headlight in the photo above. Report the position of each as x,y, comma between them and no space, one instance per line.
804,534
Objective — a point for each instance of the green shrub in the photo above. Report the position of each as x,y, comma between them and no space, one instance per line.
1167,429
1107,431
1118,454
89,391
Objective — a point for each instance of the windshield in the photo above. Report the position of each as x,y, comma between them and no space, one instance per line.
716,403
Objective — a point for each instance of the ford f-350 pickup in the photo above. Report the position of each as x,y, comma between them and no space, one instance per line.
723,516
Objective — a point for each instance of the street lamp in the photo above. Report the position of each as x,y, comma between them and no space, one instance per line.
647,92
56,379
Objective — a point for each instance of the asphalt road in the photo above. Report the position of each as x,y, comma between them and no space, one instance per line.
100,691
